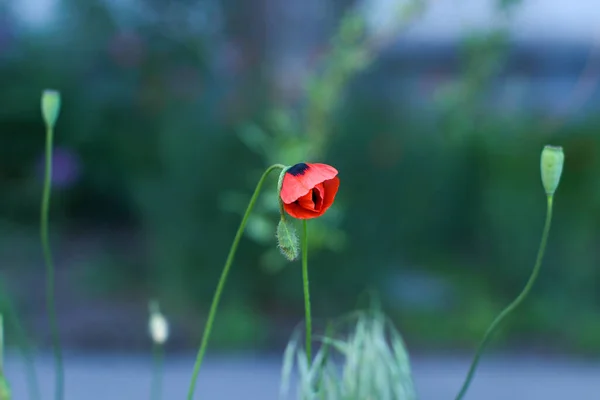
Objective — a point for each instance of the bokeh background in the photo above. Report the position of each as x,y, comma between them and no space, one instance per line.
434,112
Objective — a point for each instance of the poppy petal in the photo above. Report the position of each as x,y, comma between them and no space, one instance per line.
301,178
297,211
330,188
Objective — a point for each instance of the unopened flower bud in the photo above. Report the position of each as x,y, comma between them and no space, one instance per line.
50,106
552,161
158,325
287,239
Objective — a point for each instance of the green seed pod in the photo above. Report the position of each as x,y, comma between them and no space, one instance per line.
551,163
287,240
50,106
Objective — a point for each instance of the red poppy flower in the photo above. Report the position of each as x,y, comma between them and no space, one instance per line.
308,190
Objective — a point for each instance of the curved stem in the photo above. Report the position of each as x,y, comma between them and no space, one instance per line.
306,291
516,302
215,302
157,350
50,266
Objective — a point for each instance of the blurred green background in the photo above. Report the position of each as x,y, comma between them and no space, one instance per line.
172,110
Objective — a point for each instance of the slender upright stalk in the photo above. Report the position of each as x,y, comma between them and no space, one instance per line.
516,302
217,296
5,393
1,343
32,383
306,291
158,355
51,308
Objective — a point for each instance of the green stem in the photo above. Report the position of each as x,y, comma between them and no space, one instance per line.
516,302
1,343
51,309
306,291
22,343
215,302
157,351
32,383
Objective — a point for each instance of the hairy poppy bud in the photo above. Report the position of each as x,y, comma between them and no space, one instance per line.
50,106
552,161
287,239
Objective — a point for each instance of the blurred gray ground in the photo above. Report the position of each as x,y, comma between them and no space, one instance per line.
257,378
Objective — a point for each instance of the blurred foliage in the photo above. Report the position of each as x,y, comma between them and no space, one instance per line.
372,355
296,134
167,125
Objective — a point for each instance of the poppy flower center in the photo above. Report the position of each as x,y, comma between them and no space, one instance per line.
313,200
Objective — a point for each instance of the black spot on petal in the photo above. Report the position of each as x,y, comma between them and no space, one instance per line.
298,169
